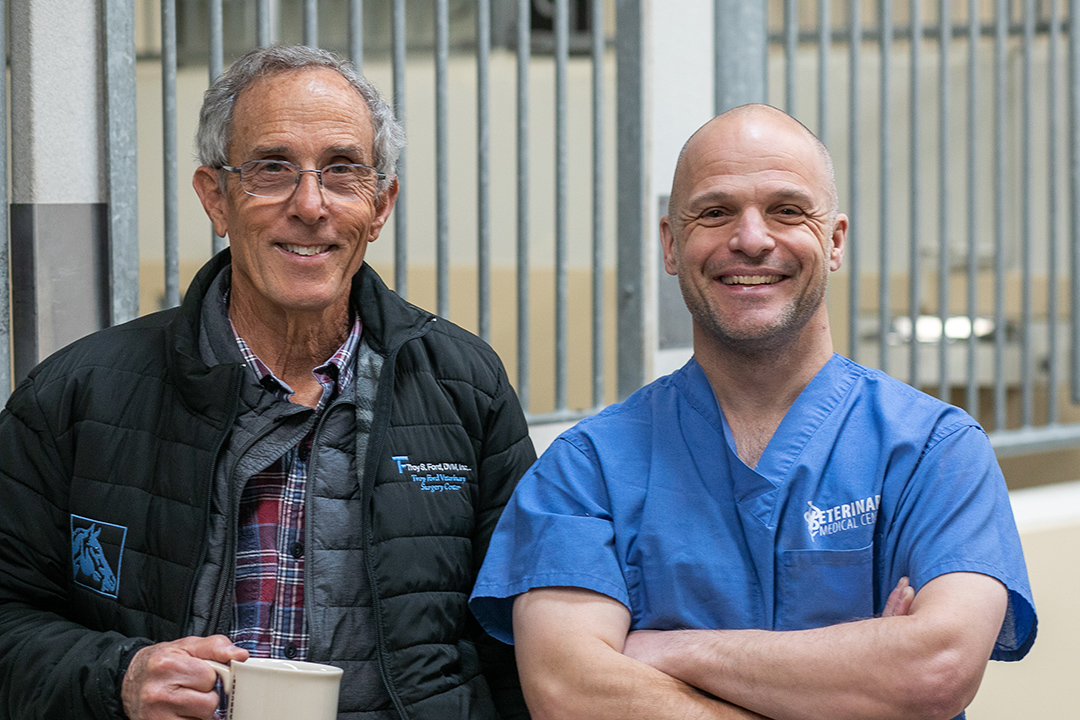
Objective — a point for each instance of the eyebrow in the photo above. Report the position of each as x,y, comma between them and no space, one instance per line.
286,150
720,196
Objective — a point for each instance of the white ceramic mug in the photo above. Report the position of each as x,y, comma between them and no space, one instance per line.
269,689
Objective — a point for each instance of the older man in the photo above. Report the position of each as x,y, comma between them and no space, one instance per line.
295,463
736,539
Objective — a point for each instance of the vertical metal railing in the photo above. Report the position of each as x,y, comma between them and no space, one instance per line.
119,27
401,235
1001,29
1074,194
524,43
598,279
1027,232
885,227
852,252
442,160
356,33
483,169
215,66
562,51
1003,236
944,196
992,321
914,193
169,153
5,225
791,47
1053,182
311,23
824,48
972,397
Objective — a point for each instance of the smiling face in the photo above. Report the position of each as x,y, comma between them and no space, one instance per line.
296,254
753,232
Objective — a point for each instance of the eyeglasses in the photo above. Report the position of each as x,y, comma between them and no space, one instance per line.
279,178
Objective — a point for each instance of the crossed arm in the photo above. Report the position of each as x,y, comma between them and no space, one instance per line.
923,659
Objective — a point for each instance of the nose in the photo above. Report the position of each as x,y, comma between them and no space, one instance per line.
307,201
751,236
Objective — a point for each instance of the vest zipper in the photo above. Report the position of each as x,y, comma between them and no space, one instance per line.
384,398
234,388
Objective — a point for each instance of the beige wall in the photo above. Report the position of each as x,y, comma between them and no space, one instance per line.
1046,684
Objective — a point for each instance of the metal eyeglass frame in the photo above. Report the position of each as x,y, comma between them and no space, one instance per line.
379,177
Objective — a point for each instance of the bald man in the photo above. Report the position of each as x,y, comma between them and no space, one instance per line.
771,531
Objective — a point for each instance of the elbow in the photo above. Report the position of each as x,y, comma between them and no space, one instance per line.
547,698
942,687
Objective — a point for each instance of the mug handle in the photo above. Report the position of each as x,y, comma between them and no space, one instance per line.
224,671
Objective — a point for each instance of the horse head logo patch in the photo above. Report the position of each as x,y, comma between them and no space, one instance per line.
96,551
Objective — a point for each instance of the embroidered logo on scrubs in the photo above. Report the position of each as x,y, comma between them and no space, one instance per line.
433,477
848,516
96,550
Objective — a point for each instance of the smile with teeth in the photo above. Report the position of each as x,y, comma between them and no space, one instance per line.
751,279
305,249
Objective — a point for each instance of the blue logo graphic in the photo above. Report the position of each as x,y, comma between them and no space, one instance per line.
96,551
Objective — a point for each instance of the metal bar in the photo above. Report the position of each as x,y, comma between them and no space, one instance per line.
598,36
824,41
884,315
741,53
483,164
631,194
791,44
263,31
1074,196
854,192
915,204
1028,441
169,153
215,66
5,225
123,200
442,161
524,41
311,23
401,255
1001,25
971,402
356,34
217,39
944,100
1027,239
562,54
1053,213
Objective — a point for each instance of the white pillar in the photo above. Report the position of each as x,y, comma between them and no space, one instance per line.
681,50
59,218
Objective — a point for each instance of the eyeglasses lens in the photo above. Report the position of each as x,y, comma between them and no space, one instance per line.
270,178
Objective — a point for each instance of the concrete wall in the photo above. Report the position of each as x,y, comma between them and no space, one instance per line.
1043,685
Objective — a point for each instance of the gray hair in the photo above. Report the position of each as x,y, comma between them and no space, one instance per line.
215,132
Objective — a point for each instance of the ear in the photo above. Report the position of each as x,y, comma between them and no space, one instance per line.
207,184
667,242
384,203
839,237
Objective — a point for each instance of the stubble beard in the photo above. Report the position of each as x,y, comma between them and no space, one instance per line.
757,338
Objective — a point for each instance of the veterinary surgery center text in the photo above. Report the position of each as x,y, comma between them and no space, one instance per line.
433,477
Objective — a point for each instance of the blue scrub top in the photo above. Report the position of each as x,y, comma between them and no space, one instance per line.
865,481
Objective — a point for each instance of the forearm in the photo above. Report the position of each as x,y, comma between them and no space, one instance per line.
599,683
924,665
568,646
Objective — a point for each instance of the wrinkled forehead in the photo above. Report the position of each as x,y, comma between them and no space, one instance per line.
307,98
757,150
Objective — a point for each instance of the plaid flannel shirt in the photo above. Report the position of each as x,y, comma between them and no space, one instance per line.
268,607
